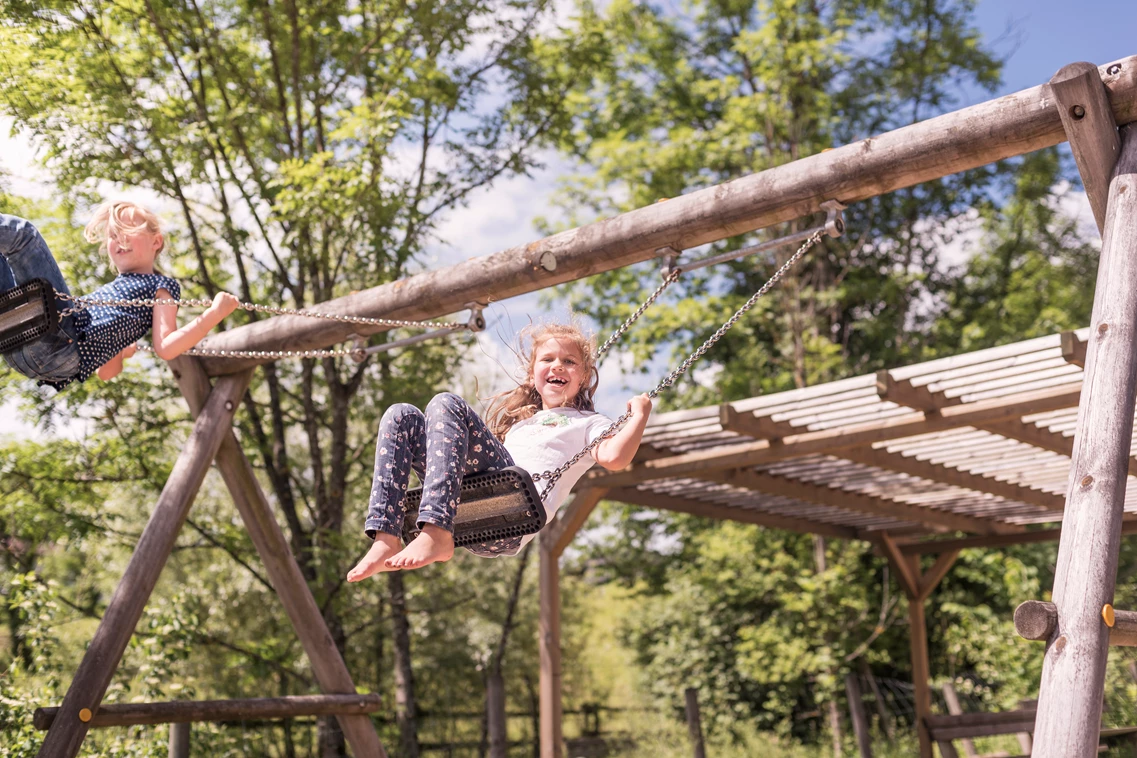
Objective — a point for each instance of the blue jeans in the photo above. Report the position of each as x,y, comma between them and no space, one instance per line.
24,256
441,445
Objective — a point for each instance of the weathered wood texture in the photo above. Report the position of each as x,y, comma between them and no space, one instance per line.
921,672
549,643
284,573
1069,708
1083,104
150,554
179,744
1038,620
968,138
694,722
858,716
189,711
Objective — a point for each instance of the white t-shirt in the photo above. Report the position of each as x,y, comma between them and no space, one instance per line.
547,440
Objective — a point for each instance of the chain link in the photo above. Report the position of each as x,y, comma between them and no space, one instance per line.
554,475
670,279
82,303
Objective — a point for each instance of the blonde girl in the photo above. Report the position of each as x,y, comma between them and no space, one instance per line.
97,339
539,426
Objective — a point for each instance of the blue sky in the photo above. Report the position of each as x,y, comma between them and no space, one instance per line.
1037,37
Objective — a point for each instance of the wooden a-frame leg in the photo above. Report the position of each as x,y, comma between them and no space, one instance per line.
284,573
94,674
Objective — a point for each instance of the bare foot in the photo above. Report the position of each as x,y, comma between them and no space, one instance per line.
384,547
433,545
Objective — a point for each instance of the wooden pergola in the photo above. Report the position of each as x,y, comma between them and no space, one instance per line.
878,458
979,443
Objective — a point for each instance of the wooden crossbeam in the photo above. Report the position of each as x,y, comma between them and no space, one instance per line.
560,533
754,426
958,141
855,501
840,438
704,509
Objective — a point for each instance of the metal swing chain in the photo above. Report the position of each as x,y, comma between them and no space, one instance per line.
82,303
554,475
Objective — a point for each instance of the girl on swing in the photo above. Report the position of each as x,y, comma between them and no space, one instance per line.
97,339
538,426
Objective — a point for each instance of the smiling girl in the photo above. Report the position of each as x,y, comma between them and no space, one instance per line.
96,339
539,426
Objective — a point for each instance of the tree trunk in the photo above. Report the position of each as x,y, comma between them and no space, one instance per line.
405,706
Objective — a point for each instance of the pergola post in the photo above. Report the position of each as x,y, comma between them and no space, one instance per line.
917,587
550,649
1073,674
150,554
555,537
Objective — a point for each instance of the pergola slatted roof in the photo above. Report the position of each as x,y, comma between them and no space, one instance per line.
978,443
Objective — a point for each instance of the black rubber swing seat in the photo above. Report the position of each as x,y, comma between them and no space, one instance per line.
493,505
27,313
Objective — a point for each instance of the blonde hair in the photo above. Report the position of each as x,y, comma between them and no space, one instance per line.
123,217
509,407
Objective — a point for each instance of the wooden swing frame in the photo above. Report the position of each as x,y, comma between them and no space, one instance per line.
1083,104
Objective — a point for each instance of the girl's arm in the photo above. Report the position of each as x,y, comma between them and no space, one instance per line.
113,367
617,451
170,341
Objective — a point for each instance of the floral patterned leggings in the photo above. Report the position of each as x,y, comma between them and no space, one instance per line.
441,445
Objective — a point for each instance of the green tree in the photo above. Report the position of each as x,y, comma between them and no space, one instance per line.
306,150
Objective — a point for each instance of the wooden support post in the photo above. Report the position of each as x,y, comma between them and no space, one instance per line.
1073,673
550,650
189,711
288,581
496,725
694,722
918,640
918,587
179,740
121,617
954,709
858,716
1083,104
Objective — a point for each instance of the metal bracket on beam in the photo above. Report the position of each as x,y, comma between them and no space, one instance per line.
834,226
360,351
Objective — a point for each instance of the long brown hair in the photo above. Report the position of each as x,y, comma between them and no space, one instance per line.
509,407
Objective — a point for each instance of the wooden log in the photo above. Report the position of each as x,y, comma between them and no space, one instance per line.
1073,675
1038,620
694,722
125,608
857,715
572,517
1000,540
179,745
958,141
190,711
495,715
284,573
952,701
549,643
1087,119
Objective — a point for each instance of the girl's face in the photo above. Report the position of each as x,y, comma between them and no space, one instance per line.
558,371
133,253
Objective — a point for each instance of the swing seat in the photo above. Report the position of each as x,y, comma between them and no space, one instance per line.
27,313
493,505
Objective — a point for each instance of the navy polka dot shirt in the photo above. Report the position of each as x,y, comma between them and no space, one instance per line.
105,331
